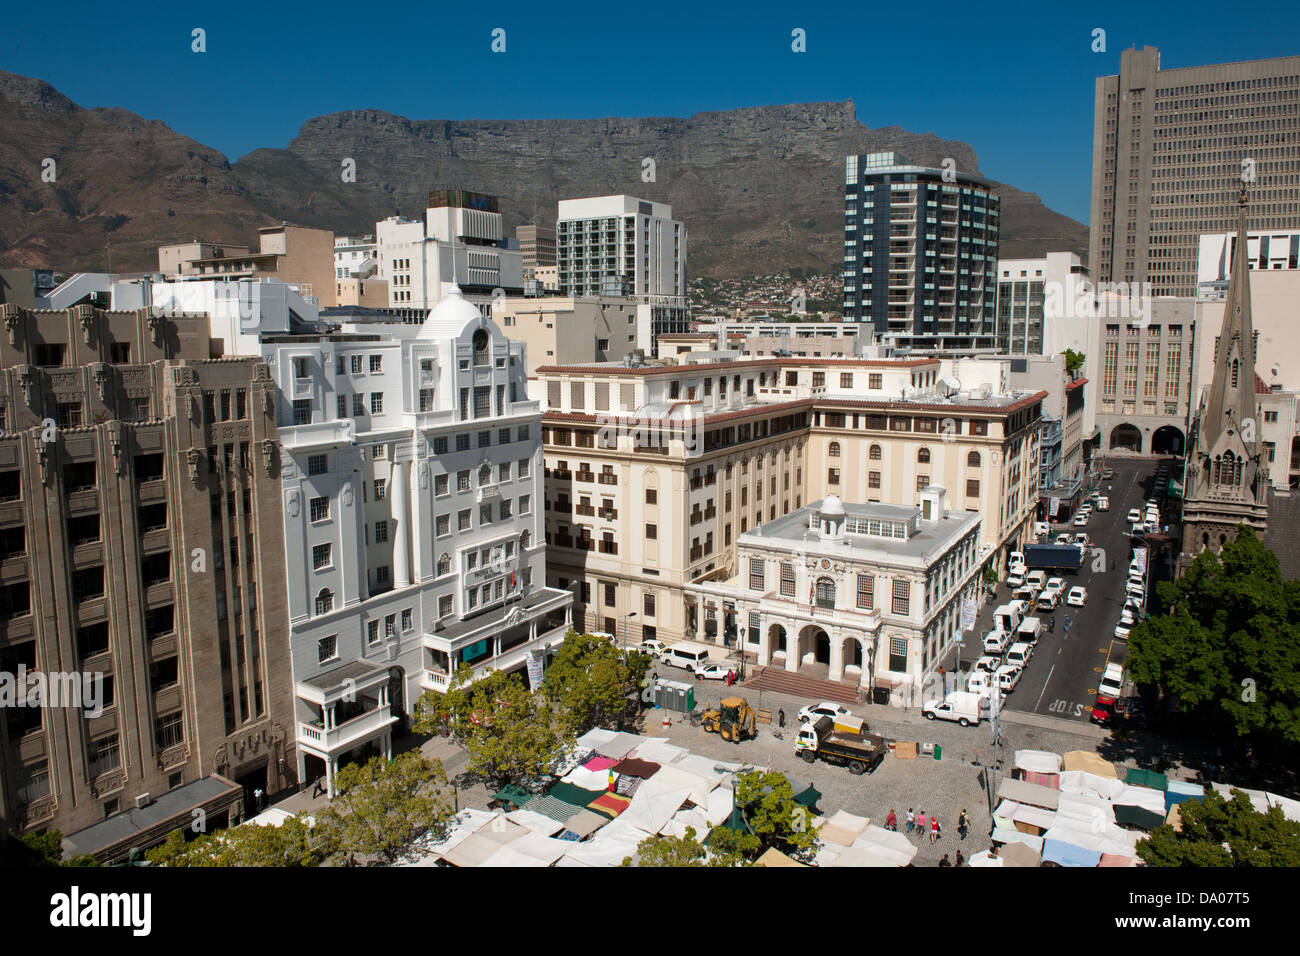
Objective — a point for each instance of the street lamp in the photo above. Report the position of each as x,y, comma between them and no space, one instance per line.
625,617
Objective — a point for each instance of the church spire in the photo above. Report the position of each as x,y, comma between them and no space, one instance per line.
1232,394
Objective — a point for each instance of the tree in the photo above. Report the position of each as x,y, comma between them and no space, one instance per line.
382,806
771,818
1073,361
670,851
292,844
511,735
590,679
39,849
1230,646
1251,838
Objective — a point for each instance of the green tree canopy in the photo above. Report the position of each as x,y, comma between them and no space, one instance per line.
669,851
292,844
39,849
1230,646
589,681
512,735
771,818
1073,361
1218,832
381,806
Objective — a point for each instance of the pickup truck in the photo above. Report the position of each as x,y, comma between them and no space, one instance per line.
995,642
859,752
962,706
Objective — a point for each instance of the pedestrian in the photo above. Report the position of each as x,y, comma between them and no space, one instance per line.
317,790
1112,564
960,859
963,823
1051,625
911,820
920,824
891,821
945,861
780,718
934,830
1067,624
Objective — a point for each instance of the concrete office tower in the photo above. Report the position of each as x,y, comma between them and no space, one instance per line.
1226,486
298,255
624,246
412,512
920,253
458,244
537,246
141,524
1035,305
1171,147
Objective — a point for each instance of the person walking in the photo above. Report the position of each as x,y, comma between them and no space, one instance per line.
963,823
891,821
780,718
920,824
1067,624
1051,625
911,820
934,830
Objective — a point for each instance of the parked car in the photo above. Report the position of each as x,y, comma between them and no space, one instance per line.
714,671
1103,503
1134,516
1026,593
1121,632
653,648
824,709
995,642
1008,676
1055,584
1128,617
1082,540
1137,590
1036,579
1107,474
1016,557
1015,577
1064,539
1133,602
1103,710
1048,600
988,664
1112,681
1041,529
1077,597
1080,520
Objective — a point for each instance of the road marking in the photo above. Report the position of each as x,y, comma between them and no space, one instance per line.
1044,690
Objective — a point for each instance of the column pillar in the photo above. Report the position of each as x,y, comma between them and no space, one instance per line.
792,649
331,771
401,536
836,671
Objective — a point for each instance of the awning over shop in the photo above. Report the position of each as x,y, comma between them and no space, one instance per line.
1034,794
511,793
1147,778
1134,816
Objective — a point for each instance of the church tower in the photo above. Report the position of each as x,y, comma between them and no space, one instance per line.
1225,485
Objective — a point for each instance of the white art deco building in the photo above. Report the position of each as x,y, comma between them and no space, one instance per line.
411,466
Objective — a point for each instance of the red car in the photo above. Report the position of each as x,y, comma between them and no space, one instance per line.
1104,710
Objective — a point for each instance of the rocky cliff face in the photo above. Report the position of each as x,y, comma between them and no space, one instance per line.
759,189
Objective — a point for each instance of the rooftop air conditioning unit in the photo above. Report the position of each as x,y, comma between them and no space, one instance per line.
438,625
141,801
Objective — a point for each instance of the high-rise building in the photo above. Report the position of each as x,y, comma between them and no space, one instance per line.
1226,484
139,508
1035,305
920,253
1169,147
624,246
537,246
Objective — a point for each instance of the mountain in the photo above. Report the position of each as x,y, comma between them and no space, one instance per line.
760,189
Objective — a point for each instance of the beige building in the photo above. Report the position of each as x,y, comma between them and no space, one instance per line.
654,471
537,245
561,330
298,255
368,293
139,504
1171,147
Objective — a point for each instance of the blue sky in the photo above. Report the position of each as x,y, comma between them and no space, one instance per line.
1016,81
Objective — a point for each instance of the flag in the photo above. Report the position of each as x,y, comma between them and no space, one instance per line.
812,596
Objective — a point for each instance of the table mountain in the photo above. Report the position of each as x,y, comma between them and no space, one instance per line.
760,189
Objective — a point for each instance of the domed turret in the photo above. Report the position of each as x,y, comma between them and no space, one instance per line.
450,316
830,518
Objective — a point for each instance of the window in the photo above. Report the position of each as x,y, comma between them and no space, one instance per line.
755,574
611,595
484,515
376,364
440,485
867,592
372,632
874,453
443,525
381,532
444,565
648,605
902,597
832,476
505,511
317,464
463,520
651,496
327,648
972,488
846,379
923,456
320,509
356,364
524,470
825,592
503,471
341,407
521,434
440,445
376,403
922,482
444,605
406,620
652,532
358,404
462,442
390,626
787,579
462,480
381,488
525,504
301,411
973,460
320,556
898,654
381,575
324,601
833,450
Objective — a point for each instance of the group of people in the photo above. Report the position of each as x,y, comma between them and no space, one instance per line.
922,824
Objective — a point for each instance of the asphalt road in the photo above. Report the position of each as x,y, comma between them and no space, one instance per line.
1061,678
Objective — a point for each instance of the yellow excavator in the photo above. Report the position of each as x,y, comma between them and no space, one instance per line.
733,718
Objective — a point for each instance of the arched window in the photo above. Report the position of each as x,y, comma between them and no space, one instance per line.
525,541
324,601
923,456
834,450
874,453
444,565
484,473
1228,472
481,347
973,460
825,592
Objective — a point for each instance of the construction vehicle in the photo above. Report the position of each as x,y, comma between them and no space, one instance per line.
733,719
859,752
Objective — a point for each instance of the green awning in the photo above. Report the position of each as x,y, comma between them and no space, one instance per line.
574,795
513,794
1175,488
808,798
1127,815
1147,778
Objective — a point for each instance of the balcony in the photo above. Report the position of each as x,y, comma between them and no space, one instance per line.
358,681
696,517
697,553
710,513
609,547
320,435
586,511
351,733
609,514
607,479
151,491
586,476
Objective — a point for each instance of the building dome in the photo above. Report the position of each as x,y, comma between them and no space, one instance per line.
450,317
832,507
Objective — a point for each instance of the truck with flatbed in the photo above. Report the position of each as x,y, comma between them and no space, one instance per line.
859,752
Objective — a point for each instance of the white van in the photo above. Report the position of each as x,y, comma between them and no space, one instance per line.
1029,630
995,642
1007,617
1112,681
688,655
1036,579
1019,654
1103,503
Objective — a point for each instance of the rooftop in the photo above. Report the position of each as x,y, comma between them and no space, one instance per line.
124,826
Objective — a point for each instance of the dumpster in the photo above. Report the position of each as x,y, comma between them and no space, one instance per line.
938,752
880,695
